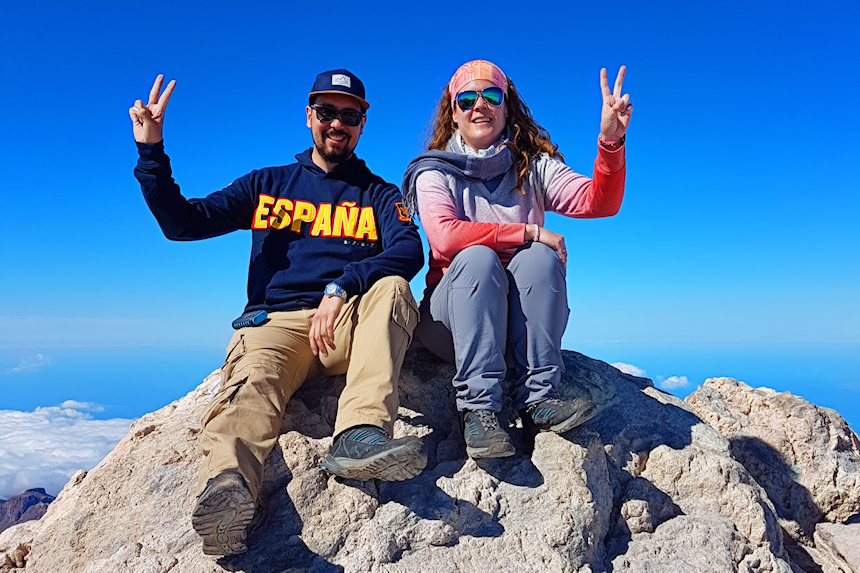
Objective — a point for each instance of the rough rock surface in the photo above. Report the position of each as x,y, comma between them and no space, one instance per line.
840,544
27,506
644,486
805,457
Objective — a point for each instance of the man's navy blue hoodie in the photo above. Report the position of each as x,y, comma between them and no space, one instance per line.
309,227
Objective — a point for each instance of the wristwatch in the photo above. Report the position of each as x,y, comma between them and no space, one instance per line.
332,289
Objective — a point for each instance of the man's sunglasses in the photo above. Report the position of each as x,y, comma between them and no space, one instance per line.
494,96
327,113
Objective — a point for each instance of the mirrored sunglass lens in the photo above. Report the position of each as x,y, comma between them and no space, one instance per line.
493,96
466,100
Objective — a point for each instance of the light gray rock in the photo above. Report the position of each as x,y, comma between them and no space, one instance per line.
644,486
840,543
805,456
702,543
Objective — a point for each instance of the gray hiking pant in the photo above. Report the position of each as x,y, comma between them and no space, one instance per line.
481,313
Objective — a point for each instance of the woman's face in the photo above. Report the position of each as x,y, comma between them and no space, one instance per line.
482,125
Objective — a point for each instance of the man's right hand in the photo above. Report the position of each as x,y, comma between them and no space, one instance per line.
147,120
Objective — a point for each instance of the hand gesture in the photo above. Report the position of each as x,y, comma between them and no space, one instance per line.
615,115
147,120
321,334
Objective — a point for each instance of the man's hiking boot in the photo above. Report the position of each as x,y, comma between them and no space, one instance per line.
222,514
367,452
559,416
484,438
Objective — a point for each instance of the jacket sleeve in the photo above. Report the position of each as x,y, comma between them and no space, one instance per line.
184,219
447,233
401,255
575,195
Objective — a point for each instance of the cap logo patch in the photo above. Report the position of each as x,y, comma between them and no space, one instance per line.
341,80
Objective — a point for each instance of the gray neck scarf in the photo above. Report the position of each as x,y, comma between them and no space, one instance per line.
458,161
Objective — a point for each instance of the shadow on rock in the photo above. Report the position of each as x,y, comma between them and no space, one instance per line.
274,535
428,501
644,508
792,501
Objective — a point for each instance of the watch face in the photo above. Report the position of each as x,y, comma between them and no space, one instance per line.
332,289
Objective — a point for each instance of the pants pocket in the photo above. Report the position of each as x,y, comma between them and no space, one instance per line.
404,312
231,380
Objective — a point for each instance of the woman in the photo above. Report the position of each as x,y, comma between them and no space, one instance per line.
496,285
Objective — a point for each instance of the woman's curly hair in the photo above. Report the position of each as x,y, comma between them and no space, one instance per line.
528,138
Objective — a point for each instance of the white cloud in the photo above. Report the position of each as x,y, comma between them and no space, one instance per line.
82,406
44,448
673,382
29,364
629,369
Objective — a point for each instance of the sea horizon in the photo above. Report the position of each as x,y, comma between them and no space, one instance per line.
129,382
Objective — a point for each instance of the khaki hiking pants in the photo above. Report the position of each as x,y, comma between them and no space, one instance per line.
266,364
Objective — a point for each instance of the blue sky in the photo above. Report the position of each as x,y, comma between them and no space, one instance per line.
735,252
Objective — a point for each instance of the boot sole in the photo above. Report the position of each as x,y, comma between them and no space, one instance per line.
497,450
222,519
399,463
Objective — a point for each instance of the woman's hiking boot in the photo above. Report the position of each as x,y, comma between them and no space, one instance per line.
484,438
559,416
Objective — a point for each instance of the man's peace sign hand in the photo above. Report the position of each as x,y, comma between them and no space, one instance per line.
147,120
615,115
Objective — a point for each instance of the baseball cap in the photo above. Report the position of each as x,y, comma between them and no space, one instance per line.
339,82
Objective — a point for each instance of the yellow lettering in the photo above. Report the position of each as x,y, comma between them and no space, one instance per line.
322,223
366,225
262,211
345,219
305,212
281,214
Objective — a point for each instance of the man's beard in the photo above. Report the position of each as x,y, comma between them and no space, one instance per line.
333,156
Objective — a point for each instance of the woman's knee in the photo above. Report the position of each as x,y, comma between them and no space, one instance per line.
476,266
537,264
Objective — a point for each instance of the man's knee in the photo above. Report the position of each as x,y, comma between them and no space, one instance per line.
391,284
393,292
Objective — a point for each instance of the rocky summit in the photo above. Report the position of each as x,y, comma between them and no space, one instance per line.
732,479
26,506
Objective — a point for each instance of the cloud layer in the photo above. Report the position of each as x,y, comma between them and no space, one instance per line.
44,448
629,369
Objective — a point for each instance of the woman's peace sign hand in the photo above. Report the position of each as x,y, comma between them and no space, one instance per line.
147,120
615,115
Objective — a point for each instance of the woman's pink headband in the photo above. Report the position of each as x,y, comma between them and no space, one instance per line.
476,70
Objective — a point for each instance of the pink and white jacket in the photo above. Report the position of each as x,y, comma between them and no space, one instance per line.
457,213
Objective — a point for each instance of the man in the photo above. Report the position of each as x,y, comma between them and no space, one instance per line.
328,293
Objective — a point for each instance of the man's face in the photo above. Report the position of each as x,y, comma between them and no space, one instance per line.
334,141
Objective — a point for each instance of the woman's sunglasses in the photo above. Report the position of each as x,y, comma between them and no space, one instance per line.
327,113
494,96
